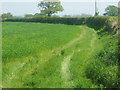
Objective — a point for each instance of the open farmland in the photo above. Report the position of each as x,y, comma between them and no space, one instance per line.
37,55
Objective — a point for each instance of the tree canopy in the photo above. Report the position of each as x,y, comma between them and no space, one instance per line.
112,10
6,15
50,7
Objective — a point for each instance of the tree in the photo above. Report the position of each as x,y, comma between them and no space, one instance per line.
6,15
50,7
85,14
28,15
97,13
67,16
111,11
39,14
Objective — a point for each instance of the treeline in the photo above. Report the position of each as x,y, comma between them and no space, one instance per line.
97,22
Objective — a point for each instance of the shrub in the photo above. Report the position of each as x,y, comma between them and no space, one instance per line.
103,66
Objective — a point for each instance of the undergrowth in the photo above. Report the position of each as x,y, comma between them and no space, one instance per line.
103,66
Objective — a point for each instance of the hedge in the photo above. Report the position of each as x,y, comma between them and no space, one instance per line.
96,22
70,21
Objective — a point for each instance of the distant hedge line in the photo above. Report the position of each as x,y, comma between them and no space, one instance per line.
70,21
94,22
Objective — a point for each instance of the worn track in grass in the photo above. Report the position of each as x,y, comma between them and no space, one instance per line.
45,57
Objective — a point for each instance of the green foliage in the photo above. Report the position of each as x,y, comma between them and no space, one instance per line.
28,15
97,14
112,11
98,22
67,16
50,7
6,15
46,19
103,67
103,24
39,15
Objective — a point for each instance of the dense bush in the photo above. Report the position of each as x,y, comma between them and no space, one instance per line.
103,67
96,22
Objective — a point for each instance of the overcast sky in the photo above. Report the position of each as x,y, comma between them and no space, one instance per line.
71,7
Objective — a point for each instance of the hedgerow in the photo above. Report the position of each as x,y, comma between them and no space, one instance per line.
103,66
97,22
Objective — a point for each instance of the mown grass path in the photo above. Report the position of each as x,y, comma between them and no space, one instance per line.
65,66
65,72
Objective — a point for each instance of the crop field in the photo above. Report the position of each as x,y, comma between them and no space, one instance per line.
41,55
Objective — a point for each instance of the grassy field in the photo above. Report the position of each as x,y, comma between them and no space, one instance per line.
37,55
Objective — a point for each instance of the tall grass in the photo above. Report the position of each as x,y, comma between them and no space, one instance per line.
24,39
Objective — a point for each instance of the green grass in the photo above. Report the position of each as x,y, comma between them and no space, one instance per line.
23,39
37,55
